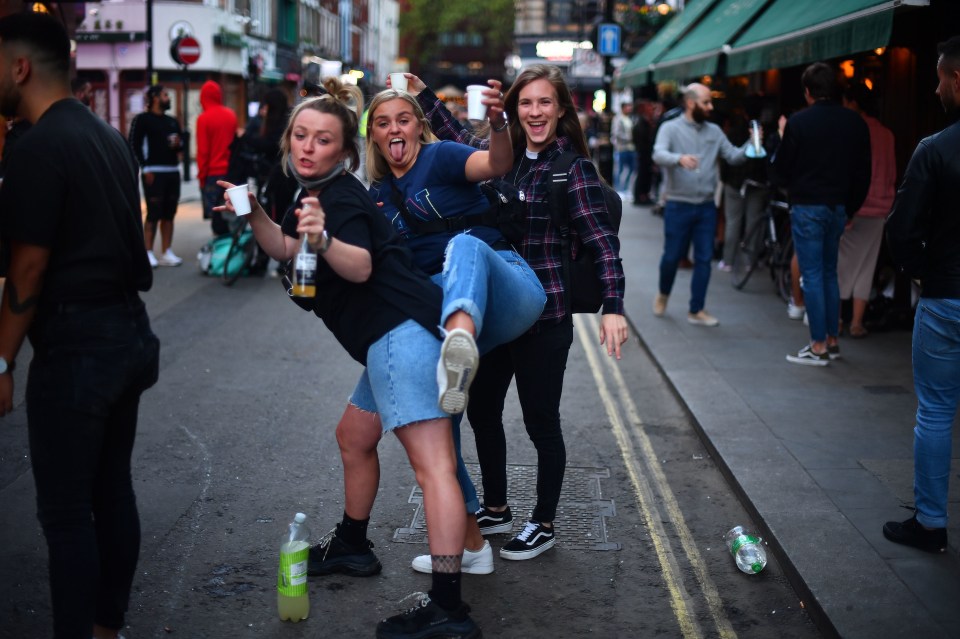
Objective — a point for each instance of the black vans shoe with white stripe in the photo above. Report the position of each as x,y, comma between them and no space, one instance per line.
491,522
533,540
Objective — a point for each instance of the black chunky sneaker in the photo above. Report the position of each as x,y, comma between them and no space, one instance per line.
427,620
912,533
491,523
332,555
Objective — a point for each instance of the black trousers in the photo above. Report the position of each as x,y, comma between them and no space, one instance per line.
91,363
538,361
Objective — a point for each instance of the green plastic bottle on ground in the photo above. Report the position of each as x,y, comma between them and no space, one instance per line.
293,597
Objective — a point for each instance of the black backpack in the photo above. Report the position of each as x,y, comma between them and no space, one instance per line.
584,290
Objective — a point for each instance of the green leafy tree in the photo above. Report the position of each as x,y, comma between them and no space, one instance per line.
423,23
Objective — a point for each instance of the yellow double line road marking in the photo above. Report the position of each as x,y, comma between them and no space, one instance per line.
647,485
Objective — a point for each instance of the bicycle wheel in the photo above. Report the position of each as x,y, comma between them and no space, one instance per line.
783,278
748,253
241,251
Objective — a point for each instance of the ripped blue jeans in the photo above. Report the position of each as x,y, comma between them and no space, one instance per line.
499,291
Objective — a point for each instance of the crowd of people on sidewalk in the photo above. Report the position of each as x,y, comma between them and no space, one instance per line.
835,161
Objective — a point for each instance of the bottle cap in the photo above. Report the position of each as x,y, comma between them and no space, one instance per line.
300,518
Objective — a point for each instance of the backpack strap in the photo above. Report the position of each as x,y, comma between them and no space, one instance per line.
439,225
560,215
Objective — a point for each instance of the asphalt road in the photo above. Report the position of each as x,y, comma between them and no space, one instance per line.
238,435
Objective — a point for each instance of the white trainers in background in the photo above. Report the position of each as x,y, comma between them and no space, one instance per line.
795,312
475,562
702,318
152,259
169,259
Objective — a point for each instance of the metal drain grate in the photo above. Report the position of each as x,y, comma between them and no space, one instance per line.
581,515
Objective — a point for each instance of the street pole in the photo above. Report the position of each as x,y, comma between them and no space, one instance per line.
149,43
186,126
604,145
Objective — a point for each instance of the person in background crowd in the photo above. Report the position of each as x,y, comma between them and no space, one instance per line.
643,144
667,109
83,91
70,212
823,161
687,149
543,122
157,140
744,191
216,129
621,134
860,242
276,189
923,233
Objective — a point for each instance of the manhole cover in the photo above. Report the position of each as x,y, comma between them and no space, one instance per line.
581,515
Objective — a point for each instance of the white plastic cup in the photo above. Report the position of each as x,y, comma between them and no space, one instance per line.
398,81
239,197
475,109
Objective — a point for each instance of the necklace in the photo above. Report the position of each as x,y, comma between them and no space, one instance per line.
518,176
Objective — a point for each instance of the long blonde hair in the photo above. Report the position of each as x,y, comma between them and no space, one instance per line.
343,101
377,165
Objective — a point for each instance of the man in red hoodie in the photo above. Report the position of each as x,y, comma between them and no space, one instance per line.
216,128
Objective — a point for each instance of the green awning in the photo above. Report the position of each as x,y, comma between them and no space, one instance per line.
699,50
634,72
791,33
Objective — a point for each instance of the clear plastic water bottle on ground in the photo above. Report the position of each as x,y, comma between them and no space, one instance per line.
293,602
747,549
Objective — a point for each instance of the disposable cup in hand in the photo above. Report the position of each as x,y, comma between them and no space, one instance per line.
240,199
398,81
475,109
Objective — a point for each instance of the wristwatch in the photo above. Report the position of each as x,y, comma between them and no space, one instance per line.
324,243
5,366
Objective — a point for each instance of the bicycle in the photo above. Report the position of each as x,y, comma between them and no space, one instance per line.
766,240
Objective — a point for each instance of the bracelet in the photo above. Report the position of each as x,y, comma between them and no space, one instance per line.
500,128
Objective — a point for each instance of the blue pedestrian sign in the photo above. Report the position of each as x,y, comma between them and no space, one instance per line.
608,39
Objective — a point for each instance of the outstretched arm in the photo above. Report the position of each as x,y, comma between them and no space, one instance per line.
498,160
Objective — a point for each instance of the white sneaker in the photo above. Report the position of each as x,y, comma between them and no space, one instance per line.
475,562
152,259
169,259
795,312
456,369
723,266
702,318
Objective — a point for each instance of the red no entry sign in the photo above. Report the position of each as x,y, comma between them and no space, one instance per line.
185,50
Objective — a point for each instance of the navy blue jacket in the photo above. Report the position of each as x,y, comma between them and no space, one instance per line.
824,157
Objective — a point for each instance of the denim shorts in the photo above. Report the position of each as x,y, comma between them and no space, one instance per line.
400,381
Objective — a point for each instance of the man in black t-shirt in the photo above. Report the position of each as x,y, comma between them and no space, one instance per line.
70,212
156,140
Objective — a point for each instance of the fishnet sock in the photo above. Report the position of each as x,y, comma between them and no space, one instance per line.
446,563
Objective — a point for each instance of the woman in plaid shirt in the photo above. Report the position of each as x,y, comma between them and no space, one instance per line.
543,124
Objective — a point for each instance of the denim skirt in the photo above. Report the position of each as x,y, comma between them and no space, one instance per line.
400,381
